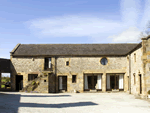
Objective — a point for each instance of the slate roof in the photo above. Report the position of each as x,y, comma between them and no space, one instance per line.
73,49
5,65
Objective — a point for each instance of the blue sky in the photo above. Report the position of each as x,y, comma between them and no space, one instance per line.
70,21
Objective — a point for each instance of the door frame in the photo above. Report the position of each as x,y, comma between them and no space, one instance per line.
114,74
92,75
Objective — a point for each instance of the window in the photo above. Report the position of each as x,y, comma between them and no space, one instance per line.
73,78
47,63
67,63
32,76
134,57
104,61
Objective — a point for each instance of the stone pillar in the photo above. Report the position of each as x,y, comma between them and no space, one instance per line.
69,82
104,82
57,84
53,64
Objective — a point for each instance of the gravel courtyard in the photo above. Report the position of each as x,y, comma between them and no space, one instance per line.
15,102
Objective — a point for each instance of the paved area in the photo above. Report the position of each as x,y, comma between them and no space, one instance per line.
15,102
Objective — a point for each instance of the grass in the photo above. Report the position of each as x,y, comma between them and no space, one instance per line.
3,80
2,86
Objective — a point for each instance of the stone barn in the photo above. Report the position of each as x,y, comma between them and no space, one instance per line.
83,67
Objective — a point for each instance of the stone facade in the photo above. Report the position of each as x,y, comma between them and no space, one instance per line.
77,66
136,70
133,65
87,65
25,66
146,64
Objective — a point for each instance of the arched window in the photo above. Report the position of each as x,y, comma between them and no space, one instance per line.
104,61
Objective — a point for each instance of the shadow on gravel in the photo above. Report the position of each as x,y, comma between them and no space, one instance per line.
45,95
10,103
63,105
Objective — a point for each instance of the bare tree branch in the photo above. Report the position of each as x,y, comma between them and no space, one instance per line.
146,32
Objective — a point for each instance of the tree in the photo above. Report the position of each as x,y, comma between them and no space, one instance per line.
146,31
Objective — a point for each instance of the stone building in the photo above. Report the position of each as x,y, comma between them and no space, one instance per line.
84,67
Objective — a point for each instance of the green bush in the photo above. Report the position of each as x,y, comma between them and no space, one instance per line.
148,92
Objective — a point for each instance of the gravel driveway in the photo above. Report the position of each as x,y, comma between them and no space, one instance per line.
15,102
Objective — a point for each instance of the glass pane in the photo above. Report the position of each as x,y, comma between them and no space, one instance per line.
104,61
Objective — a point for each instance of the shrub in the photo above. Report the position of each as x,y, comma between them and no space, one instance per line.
148,92
33,82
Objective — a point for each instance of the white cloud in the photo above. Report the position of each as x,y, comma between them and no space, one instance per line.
73,26
94,27
129,35
131,15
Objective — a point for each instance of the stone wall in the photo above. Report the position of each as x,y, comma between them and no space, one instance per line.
80,65
77,66
136,68
27,65
146,63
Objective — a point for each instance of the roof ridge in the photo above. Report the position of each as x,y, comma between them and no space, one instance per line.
82,44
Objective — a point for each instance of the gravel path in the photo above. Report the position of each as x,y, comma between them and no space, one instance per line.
15,102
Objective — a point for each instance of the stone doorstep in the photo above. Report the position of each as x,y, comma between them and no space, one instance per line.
115,90
137,97
93,91
62,91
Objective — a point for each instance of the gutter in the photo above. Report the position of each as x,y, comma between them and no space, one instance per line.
138,46
130,73
55,73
